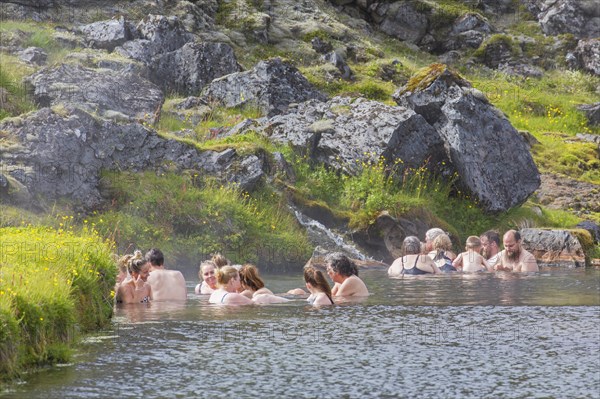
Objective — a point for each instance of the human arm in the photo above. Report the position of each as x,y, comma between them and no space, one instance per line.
458,261
529,264
234,298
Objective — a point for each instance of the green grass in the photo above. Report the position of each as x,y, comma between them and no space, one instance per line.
53,284
189,216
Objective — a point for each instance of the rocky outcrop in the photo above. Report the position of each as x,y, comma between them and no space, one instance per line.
492,160
579,17
271,85
176,62
587,54
401,20
61,154
592,228
345,131
107,34
559,192
553,247
33,55
112,95
468,31
592,112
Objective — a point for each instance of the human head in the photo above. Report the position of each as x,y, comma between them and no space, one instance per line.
227,275
442,243
138,266
219,260
430,235
249,278
338,263
490,243
207,273
474,243
411,245
122,264
317,280
155,257
512,244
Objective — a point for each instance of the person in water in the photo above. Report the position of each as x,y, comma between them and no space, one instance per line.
344,274
471,260
123,275
412,262
136,289
514,258
220,260
490,246
317,285
207,275
228,283
443,253
254,287
430,237
167,285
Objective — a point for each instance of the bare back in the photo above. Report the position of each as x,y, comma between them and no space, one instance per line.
167,285
352,286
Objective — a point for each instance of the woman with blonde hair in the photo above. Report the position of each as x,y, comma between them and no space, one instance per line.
228,283
207,273
316,283
254,286
136,289
442,246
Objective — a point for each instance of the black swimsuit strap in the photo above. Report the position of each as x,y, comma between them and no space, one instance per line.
416,260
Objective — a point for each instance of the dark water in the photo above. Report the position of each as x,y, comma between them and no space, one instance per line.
462,336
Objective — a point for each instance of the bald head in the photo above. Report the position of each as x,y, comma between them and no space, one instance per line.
512,243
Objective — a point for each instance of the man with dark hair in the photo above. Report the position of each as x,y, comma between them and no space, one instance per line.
344,274
514,258
490,246
167,285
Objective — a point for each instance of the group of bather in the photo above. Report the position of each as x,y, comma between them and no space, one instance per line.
144,278
482,254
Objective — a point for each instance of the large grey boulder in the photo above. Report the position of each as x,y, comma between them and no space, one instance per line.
176,62
271,85
491,158
33,55
97,90
155,34
554,247
401,20
588,55
61,154
345,131
190,68
468,31
107,34
579,17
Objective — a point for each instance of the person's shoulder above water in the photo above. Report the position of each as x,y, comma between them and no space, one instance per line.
352,286
167,285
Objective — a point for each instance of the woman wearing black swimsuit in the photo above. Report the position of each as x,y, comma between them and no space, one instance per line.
412,263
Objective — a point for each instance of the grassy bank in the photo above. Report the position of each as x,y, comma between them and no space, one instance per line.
54,284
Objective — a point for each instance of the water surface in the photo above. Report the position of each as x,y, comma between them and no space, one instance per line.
460,336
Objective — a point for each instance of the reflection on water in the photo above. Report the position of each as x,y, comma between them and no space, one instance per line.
456,336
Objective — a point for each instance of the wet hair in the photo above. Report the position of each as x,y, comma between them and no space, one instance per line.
224,274
441,244
249,277
341,264
411,245
155,257
431,234
122,263
316,278
492,236
136,262
473,242
204,265
219,260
